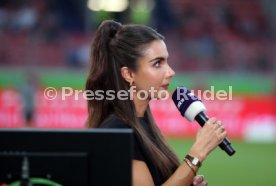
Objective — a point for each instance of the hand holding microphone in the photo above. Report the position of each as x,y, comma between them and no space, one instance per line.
209,137
212,133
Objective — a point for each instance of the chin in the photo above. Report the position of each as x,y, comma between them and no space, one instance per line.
163,95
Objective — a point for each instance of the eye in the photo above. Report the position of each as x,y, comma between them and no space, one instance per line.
157,64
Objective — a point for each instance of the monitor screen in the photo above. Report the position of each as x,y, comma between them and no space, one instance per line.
80,157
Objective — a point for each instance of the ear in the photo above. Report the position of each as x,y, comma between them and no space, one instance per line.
127,74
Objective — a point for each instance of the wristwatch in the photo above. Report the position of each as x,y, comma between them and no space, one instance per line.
194,160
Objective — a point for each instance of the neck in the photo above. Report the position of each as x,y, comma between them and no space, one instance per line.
140,106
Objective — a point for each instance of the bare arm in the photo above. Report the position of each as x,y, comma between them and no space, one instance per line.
207,139
141,174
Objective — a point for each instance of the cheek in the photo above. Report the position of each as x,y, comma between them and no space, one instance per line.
155,78
150,78
155,82
152,85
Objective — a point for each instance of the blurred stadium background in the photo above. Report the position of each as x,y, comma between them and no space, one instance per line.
226,44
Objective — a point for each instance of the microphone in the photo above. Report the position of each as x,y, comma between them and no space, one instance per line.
192,109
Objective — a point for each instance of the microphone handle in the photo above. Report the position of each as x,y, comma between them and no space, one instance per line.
225,145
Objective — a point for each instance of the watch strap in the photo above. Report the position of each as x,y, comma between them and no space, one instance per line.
194,160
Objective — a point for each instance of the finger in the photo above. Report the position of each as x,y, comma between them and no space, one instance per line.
198,179
204,183
211,121
220,129
223,134
218,122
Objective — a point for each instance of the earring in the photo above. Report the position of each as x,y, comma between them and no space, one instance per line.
131,83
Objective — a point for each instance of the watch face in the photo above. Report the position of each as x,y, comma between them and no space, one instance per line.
195,161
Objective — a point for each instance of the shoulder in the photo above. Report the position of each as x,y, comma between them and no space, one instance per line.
114,122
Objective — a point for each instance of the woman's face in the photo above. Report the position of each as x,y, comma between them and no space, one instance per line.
154,73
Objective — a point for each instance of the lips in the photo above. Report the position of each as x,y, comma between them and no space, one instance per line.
165,86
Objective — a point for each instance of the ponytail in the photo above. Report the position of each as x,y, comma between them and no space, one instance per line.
101,71
100,59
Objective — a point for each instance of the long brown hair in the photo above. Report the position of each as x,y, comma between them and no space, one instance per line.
114,47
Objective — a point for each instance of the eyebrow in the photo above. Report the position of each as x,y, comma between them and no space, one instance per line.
158,58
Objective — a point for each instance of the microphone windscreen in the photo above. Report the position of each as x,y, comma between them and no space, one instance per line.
187,103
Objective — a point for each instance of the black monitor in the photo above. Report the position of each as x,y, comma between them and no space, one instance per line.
84,157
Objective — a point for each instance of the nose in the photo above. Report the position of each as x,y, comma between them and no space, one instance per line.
170,72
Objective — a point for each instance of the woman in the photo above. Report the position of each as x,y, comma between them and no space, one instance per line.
134,58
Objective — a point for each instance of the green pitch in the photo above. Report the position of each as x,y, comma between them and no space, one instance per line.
241,84
253,164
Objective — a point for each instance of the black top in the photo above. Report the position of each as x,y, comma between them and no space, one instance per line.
140,153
